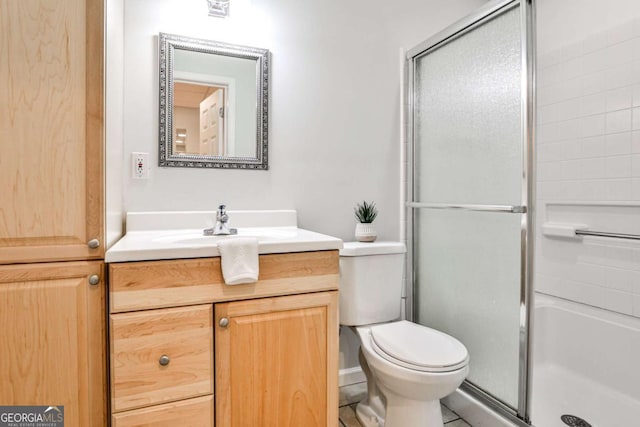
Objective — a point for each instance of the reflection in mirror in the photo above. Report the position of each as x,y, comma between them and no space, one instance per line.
213,104
199,119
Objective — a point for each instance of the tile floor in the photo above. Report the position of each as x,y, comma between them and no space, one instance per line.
350,395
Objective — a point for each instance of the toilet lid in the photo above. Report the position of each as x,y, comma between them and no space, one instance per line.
418,347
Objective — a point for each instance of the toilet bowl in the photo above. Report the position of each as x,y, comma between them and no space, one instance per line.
409,367
411,389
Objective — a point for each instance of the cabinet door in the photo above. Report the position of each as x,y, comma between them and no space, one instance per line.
277,362
52,332
51,126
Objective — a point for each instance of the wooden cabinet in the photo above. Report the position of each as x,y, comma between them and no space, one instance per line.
51,127
52,321
54,345
275,352
276,361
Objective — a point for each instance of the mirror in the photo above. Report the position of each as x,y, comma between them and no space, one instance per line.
213,104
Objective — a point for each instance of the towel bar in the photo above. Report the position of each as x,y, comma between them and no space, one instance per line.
604,234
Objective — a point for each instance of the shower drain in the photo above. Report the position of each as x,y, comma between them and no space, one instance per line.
573,421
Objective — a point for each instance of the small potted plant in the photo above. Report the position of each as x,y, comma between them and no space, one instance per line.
365,214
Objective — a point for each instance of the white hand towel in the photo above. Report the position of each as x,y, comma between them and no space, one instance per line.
239,259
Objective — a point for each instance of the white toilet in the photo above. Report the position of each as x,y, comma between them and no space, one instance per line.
409,367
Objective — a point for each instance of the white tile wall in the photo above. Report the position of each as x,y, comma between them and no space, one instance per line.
588,154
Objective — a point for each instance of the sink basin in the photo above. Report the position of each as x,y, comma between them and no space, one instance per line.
172,235
197,238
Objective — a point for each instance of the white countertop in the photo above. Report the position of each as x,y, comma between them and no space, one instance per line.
148,236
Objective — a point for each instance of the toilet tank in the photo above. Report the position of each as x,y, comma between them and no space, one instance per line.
371,282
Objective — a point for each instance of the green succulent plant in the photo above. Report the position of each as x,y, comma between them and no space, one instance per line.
366,212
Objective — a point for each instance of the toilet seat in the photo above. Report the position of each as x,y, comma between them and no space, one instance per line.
418,347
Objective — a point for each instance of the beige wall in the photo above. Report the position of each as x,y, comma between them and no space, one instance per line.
189,119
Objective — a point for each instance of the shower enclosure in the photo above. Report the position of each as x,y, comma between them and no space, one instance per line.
469,198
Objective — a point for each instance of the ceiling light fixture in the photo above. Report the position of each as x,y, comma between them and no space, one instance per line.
218,8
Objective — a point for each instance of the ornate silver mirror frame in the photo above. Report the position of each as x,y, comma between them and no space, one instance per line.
168,44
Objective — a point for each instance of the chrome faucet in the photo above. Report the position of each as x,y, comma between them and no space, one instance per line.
222,227
222,219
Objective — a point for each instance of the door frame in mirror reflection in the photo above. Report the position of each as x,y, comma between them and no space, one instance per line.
229,108
168,43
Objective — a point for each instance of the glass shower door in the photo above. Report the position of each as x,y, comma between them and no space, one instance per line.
469,196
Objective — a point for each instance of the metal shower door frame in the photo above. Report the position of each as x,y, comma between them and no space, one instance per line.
519,415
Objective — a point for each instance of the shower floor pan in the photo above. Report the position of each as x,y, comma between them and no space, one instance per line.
585,366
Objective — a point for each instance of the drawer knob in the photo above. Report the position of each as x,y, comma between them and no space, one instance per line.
164,360
93,243
224,322
94,279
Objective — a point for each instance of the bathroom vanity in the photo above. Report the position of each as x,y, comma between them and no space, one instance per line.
188,349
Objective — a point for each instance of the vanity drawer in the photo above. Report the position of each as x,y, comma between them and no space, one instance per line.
197,412
141,376
169,283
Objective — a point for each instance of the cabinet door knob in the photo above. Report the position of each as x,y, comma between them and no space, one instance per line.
224,322
93,243
164,360
94,279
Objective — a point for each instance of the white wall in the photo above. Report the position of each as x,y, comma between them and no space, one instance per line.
334,114
334,136
588,137
114,123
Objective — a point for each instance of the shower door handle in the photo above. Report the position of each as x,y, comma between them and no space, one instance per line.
475,208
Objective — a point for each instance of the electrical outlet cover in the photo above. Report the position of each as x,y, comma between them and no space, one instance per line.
140,165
